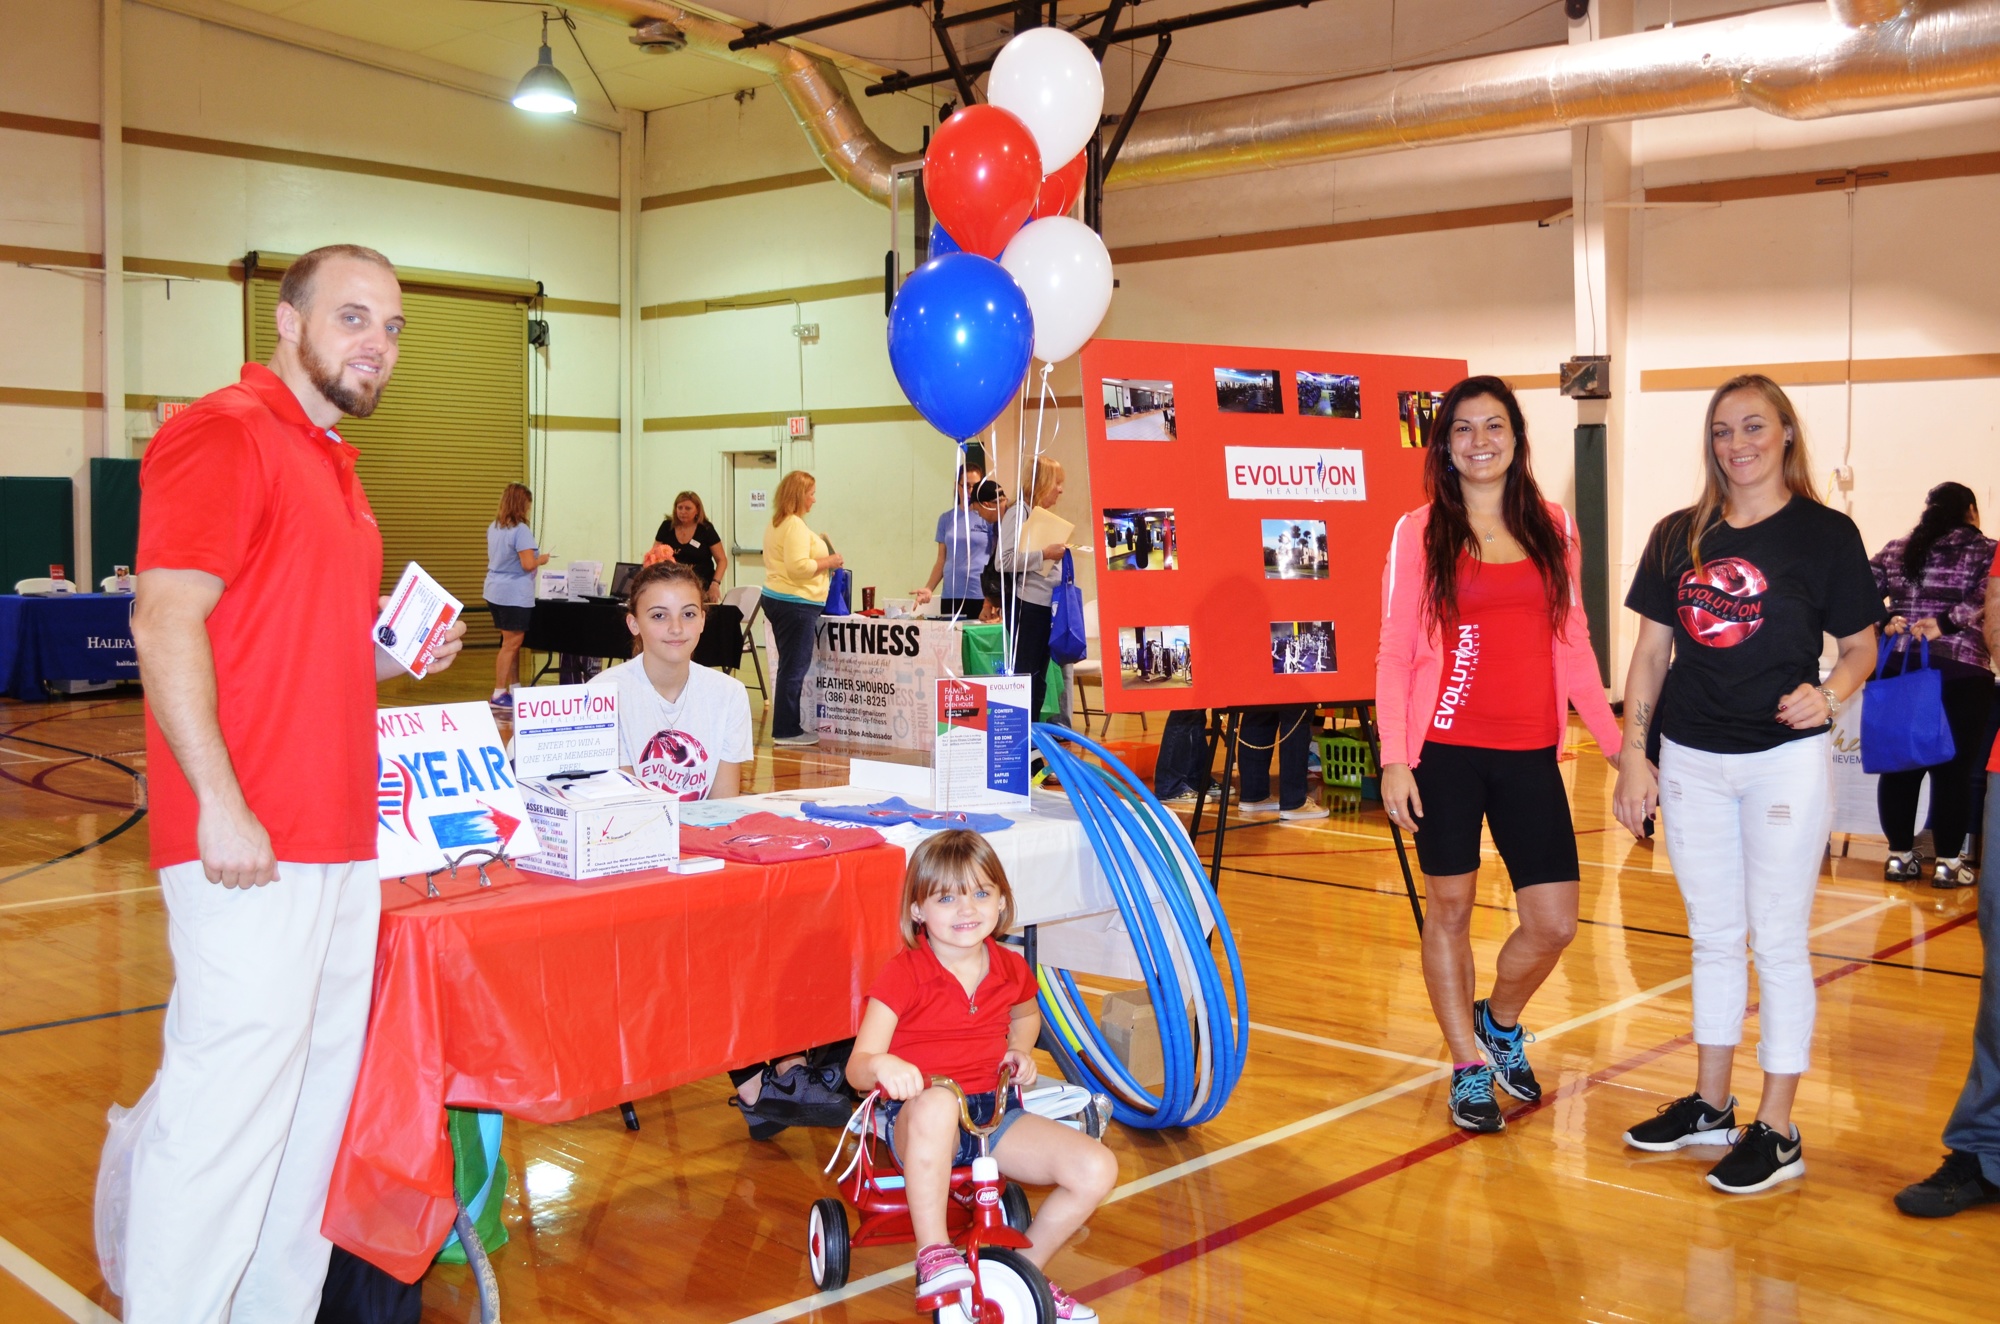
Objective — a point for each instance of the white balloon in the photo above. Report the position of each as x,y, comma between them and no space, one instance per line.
1051,80
1061,265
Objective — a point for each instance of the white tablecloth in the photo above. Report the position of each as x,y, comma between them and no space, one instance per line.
1058,883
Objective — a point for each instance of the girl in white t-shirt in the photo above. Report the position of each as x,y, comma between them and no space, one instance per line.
682,728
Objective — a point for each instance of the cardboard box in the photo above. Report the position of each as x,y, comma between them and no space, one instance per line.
604,824
1133,1033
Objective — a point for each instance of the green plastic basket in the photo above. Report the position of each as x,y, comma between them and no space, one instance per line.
1345,761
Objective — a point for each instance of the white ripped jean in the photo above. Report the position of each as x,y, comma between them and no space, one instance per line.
1745,834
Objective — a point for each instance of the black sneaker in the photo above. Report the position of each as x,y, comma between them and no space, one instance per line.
1760,1160
1957,1185
1684,1122
1507,1050
805,1096
761,1128
1472,1104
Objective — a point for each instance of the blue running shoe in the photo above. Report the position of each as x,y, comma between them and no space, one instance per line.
1507,1050
1472,1104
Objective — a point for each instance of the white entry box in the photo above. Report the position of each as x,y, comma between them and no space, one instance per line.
552,585
609,823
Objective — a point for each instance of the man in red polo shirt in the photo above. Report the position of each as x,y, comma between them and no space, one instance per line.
259,567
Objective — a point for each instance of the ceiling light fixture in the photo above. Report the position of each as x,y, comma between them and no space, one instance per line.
543,89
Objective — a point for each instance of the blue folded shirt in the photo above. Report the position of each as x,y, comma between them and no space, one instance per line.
896,810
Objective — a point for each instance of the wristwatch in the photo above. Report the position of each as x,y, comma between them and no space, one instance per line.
1832,701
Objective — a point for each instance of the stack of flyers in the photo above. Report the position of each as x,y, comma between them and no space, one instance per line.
414,623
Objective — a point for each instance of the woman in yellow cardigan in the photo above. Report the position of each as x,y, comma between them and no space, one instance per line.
797,569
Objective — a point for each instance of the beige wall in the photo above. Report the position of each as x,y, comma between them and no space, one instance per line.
1907,270
192,78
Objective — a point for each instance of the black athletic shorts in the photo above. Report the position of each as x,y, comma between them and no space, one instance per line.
511,619
1518,792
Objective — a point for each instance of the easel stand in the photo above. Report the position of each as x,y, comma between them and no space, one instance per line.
1225,731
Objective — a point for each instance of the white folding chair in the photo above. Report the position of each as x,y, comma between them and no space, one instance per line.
109,584
749,599
44,585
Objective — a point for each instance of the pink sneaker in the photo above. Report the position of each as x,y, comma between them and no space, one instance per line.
1068,1307
941,1270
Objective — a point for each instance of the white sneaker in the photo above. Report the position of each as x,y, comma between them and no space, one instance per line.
1256,806
1306,812
801,739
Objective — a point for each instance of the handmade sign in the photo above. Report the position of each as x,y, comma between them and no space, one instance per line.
443,789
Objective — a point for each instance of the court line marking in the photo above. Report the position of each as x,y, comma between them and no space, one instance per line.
81,896
44,1284
1138,1186
1178,1255
1348,1044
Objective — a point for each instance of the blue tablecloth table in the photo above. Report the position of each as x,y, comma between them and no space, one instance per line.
73,636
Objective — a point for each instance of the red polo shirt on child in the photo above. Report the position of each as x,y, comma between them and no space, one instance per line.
942,1032
245,487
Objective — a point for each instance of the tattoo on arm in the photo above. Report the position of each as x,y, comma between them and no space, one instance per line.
1642,721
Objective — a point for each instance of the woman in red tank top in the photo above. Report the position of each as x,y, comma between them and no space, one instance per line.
1484,648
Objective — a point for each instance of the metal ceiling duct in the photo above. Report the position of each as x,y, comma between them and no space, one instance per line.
1805,61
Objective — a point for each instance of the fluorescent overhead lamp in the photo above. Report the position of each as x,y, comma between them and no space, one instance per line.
543,89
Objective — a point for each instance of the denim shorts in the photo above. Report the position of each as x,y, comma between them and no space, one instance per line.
981,1108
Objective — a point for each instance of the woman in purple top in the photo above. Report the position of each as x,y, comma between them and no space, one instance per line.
1935,582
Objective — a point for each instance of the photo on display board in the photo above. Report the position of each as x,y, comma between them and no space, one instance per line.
1140,540
1248,391
1294,549
1328,395
1301,647
1137,410
1154,657
1416,415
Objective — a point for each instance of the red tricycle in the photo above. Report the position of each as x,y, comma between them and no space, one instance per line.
987,1219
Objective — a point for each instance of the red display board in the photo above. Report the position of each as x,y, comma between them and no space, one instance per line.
1244,501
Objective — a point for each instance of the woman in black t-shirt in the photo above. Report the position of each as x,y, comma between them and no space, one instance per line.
1736,592
687,538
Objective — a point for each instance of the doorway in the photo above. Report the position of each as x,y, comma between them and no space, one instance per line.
752,477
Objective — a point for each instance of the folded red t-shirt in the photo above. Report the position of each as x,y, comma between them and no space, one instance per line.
774,839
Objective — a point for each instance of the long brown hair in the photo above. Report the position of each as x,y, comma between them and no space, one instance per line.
1715,484
948,860
791,500
700,511
513,506
1448,533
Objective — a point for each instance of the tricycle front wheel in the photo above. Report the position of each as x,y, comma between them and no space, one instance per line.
1013,1289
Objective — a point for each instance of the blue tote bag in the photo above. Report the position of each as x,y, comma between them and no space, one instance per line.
839,592
1067,641
1903,725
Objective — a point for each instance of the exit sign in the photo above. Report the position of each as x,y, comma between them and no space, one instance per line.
799,427
166,409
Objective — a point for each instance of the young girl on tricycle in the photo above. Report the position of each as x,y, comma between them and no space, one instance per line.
956,1005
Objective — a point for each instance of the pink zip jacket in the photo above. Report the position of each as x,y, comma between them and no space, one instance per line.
1409,665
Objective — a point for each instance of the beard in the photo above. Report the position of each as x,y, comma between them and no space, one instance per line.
356,402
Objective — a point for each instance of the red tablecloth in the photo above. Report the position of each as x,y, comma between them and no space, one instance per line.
549,1000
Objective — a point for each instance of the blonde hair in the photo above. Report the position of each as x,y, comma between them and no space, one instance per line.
1048,473
792,490
513,506
1715,483
944,862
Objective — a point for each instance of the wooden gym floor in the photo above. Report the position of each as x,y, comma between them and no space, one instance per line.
1333,1187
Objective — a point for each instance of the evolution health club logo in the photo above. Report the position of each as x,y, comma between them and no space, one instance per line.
675,762
1295,473
1722,604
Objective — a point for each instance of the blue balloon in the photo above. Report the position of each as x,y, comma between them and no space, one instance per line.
960,336
942,242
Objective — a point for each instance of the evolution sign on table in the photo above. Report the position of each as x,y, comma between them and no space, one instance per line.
443,788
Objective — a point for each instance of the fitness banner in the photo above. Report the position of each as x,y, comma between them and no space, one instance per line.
874,679
1246,499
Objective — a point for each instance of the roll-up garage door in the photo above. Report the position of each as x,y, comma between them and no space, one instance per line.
450,433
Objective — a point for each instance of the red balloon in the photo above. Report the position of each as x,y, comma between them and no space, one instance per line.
982,174
1061,189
